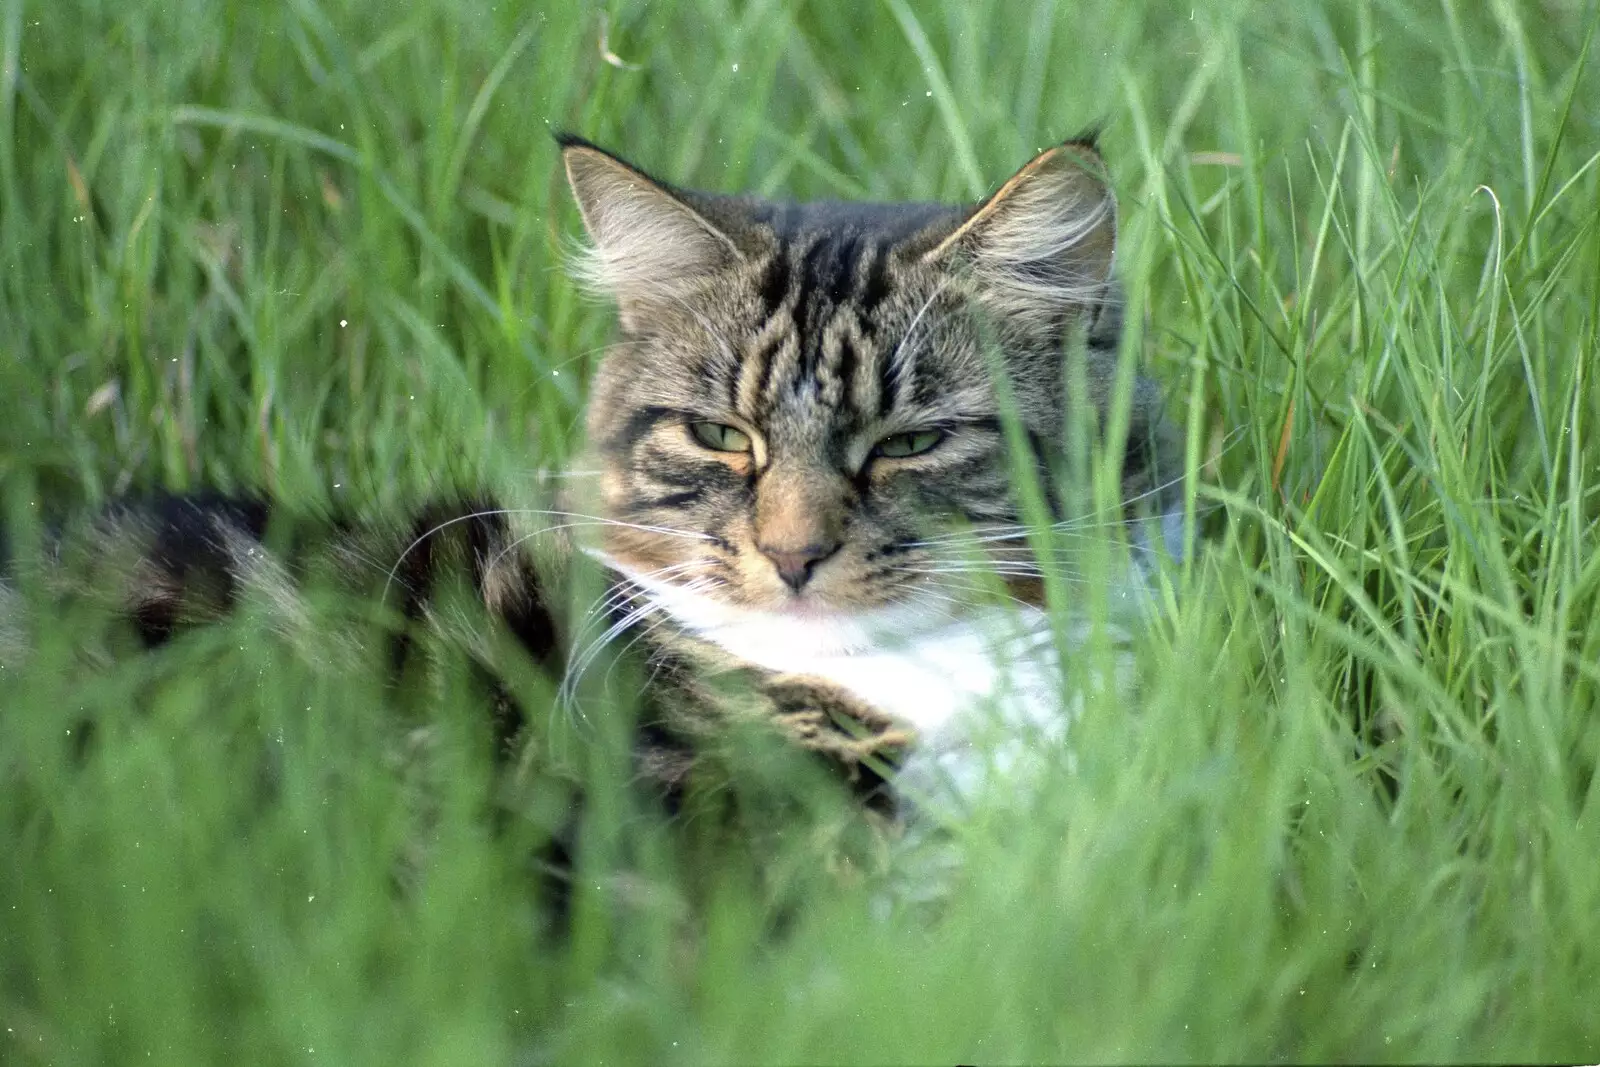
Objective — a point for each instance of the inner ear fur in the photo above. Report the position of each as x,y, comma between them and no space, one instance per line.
648,245
1043,244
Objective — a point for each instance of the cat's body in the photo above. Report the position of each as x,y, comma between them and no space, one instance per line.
802,446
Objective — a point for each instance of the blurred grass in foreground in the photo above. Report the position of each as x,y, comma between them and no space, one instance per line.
317,248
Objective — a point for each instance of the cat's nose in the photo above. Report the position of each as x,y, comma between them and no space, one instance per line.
795,565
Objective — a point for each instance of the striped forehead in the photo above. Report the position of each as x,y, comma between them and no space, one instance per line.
815,347
820,270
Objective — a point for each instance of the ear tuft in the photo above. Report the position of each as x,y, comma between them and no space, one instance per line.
1042,246
648,245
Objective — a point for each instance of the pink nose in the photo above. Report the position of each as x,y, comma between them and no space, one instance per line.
795,566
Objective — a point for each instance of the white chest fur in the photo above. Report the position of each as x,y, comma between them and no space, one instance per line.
985,693
982,690
927,674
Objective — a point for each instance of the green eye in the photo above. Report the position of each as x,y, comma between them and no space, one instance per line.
720,437
901,445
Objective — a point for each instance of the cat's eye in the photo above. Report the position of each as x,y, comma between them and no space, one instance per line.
720,437
901,445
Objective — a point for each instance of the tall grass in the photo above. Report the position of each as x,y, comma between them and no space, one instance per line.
316,248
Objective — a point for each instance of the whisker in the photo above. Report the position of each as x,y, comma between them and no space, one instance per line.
986,566
513,546
546,474
999,571
974,531
1078,524
1081,527
626,588
645,631
566,693
952,593
1230,442
1013,534
1079,521
508,512
1081,531
1068,577
905,338
580,664
607,348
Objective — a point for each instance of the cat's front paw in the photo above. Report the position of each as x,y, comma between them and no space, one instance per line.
827,718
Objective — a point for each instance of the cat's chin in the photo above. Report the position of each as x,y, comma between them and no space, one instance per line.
770,635
815,607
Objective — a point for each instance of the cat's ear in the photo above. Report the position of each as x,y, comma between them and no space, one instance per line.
1042,246
648,246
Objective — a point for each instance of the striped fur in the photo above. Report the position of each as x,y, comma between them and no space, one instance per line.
849,361
159,566
819,331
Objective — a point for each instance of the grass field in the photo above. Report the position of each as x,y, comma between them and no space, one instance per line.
316,247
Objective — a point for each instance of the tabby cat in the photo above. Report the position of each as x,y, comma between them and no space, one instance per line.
801,450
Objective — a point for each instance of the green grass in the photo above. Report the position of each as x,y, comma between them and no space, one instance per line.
316,247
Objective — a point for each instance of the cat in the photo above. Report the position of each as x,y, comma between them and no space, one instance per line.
806,397
801,439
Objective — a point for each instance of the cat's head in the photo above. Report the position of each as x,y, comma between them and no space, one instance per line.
804,394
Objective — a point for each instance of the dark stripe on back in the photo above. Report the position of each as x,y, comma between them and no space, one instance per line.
520,604
189,550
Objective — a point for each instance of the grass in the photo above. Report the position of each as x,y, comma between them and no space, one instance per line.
317,248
